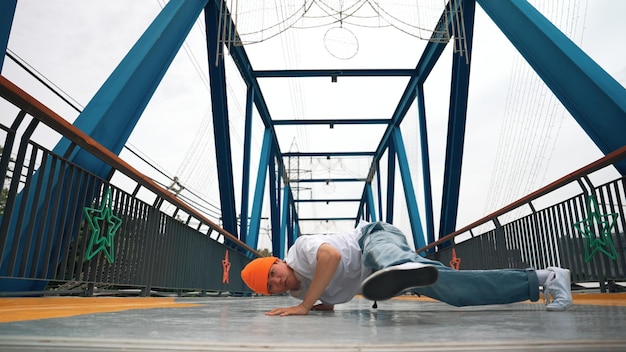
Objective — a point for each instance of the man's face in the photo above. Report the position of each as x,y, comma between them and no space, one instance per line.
280,279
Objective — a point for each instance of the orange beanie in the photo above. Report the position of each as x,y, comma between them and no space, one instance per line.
256,272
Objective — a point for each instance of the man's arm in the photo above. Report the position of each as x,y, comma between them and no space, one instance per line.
322,306
328,258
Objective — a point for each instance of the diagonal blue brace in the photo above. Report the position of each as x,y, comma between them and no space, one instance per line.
292,221
245,173
252,239
219,104
428,197
391,182
285,225
7,11
409,190
379,194
369,200
594,98
456,126
278,242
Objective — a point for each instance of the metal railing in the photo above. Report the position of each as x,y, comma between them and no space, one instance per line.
584,233
64,230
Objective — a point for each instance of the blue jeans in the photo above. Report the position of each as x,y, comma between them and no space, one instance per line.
385,245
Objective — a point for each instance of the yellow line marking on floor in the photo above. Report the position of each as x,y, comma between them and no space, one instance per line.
593,299
21,309
600,299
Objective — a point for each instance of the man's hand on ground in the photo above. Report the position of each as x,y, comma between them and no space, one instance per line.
285,311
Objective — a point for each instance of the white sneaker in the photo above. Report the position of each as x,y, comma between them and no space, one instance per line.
559,287
389,282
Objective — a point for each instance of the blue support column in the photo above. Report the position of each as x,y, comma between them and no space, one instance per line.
293,230
7,12
278,242
252,239
428,194
409,192
286,232
221,130
391,181
594,98
380,192
245,173
456,126
371,207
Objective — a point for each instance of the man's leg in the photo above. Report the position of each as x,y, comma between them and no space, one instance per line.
480,287
397,267
385,246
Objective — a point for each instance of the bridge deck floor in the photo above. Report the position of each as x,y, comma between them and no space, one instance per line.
405,323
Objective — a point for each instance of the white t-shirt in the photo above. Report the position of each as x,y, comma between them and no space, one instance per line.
302,258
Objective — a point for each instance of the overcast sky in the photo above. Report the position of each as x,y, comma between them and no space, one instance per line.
77,44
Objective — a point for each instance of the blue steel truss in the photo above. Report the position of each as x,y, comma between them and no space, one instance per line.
594,98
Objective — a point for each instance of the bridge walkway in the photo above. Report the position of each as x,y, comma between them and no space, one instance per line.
406,323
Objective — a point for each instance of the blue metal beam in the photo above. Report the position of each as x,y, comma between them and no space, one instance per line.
332,122
428,195
245,174
391,182
278,241
326,200
335,73
456,124
7,11
252,239
328,219
379,193
323,180
293,230
328,154
286,229
409,192
221,129
594,98
290,218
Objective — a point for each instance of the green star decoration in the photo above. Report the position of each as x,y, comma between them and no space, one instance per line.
103,226
593,243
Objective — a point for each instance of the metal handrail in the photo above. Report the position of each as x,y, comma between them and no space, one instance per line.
32,106
605,161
